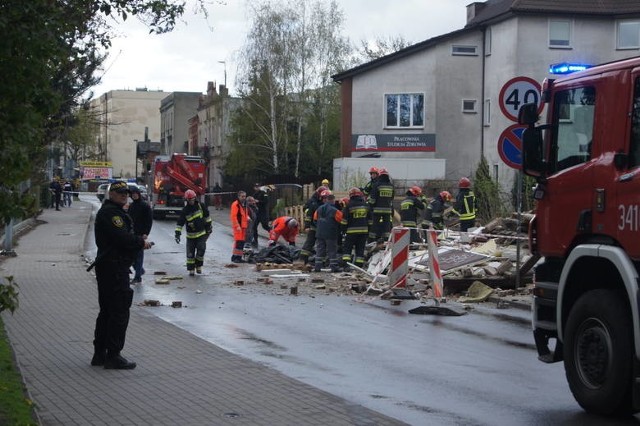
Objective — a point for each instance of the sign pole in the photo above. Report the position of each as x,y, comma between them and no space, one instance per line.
519,208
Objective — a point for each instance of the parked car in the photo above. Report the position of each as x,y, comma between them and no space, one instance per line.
101,191
104,188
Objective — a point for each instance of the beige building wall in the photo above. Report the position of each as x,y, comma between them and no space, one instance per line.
123,117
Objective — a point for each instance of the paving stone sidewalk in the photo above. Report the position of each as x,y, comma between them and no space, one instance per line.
180,379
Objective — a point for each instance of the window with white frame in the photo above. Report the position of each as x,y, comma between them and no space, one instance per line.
404,110
469,106
560,33
628,34
464,50
487,112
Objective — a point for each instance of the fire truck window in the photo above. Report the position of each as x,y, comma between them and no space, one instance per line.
575,110
634,145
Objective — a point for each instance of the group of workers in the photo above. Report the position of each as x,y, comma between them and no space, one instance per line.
343,227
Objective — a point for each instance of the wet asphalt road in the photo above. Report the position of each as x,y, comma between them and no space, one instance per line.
476,369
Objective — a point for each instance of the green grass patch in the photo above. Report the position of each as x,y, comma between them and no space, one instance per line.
15,407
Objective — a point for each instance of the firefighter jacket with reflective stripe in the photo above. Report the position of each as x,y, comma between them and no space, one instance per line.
356,216
465,205
310,208
366,190
435,210
381,198
328,219
196,218
409,211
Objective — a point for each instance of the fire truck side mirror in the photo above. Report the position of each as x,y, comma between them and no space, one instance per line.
533,155
528,114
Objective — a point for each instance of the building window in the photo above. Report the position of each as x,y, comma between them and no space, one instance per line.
404,110
464,50
559,33
628,36
469,106
487,112
487,41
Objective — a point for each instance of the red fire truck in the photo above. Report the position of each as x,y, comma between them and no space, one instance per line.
586,160
172,176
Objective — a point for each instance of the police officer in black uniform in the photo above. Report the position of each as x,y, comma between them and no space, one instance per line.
117,248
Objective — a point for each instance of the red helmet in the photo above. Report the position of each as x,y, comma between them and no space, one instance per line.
446,196
355,192
383,171
415,190
325,193
321,189
344,201
190,194
464,183
374,170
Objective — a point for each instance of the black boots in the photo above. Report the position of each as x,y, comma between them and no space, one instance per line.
118,362
98,358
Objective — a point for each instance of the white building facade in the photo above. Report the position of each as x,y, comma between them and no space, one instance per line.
441,98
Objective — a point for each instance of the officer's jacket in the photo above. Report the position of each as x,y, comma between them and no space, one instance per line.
356,216
409,210
465,205
328,219
114,235
197,220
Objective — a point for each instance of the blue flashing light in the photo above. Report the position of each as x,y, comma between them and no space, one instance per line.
567,68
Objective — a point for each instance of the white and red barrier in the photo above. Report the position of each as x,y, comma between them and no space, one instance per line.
399,257
434,264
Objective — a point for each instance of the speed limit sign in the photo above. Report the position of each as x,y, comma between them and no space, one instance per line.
517,92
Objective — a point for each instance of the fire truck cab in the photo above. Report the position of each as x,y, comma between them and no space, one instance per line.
586,160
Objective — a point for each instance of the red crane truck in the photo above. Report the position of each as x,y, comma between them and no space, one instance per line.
586,160
172,177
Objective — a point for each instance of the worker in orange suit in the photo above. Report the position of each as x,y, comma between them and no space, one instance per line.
285,227
239,223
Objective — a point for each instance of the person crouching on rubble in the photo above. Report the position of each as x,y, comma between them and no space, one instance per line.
435,211
327,218
355,221
285,227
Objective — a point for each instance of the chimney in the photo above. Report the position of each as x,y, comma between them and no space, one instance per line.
473,9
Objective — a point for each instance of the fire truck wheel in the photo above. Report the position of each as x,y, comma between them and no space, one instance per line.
598,353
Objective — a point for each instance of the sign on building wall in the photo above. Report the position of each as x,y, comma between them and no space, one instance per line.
390,142
95,170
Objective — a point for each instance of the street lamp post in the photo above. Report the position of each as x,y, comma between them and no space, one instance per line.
136,142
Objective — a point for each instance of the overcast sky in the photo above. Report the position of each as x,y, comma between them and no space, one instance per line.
190,56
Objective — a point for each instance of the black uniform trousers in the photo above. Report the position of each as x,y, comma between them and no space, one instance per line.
115,298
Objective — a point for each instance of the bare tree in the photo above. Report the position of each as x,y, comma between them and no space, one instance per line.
380,47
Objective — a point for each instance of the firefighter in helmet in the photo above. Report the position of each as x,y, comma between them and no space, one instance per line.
310,208
434,215
195,216
355,222
465,205
409,211
381,202
373,173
